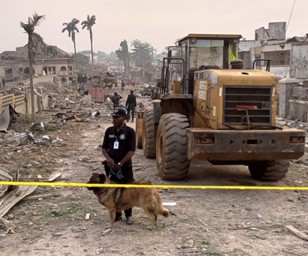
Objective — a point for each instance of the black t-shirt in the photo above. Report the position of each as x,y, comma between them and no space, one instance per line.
126,139
131,100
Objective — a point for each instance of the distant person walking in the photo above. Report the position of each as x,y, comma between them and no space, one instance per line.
131,104
116,100
122,85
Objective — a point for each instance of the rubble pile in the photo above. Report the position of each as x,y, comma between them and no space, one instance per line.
30,148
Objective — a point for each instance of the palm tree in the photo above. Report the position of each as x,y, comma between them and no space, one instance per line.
29,29
88,24
71,28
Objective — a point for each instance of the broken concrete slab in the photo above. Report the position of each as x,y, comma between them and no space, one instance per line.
20,138
4,177
82,117
13,197
5,119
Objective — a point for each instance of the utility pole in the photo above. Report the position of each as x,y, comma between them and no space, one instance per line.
31,75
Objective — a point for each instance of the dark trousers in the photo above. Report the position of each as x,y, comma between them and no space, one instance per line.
128,178
131,108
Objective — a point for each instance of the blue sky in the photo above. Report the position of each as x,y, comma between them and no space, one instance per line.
158,22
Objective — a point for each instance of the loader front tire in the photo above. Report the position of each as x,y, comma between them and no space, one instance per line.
171,147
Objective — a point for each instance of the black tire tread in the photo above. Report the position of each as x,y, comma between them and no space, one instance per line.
175,164
270,171
149,145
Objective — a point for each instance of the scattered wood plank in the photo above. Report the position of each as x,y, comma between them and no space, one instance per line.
266,227
18,194
14,197
41,196
296,232
54,176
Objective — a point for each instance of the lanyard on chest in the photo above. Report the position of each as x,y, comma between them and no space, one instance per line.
117,134
116,142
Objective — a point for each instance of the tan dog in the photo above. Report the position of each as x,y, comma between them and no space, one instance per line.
119,199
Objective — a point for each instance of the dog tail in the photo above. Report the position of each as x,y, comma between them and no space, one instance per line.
165,212
160,209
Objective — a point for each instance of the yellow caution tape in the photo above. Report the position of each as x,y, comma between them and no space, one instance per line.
71,184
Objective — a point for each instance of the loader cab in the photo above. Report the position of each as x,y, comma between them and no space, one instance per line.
195,52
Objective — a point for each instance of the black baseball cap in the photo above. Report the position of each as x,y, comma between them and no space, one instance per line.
119,112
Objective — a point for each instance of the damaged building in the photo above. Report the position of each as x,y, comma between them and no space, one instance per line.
288,56
49,60
51,64
289,62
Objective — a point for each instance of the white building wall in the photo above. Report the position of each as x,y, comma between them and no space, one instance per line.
299,61
281,72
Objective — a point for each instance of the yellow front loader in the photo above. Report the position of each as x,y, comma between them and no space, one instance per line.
212,109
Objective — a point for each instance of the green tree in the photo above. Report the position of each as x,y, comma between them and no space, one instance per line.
81,60
29,29
89,24
123,54
71,29
142,53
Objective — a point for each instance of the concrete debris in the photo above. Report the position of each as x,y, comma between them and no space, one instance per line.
4,177
96,113
296,124
4,119
82,117
12,198
42,142
7,225
7,117
37,127
20,138
86,99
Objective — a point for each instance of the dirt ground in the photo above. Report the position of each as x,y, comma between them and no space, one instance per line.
206,222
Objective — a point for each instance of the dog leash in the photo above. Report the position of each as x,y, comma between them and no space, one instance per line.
118,174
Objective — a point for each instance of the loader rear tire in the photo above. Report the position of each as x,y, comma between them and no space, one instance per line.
171,147
139,128
149,134
269,170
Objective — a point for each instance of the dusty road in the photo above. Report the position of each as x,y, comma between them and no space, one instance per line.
206,222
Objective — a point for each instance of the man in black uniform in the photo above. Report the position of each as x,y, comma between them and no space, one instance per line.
131,105
118,147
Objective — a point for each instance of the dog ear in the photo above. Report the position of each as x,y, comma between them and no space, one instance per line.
91,180
102,178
